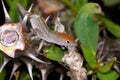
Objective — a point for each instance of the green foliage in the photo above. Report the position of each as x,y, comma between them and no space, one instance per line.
76,5
111,2
86,29
80,3
13,12
54,53
89,57
107,66
3,74
69,4
25,75
110,25
111,75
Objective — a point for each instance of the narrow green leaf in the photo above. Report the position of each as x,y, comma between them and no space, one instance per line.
13,12
54,53
110,25
107,66
110,75
69,4
86,30
80,3
89,57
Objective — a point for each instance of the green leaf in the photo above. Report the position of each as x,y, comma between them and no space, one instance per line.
25,75
111,75
110,25
79,3
54,53
86,30
107,66
13,12
89,57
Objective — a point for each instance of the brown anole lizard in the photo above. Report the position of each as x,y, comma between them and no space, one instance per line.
41,28
38,24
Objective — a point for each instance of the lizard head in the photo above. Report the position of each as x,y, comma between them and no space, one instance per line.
66,39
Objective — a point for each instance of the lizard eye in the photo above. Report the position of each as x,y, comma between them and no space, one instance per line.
67,41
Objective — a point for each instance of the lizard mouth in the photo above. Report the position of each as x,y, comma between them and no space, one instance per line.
9,38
